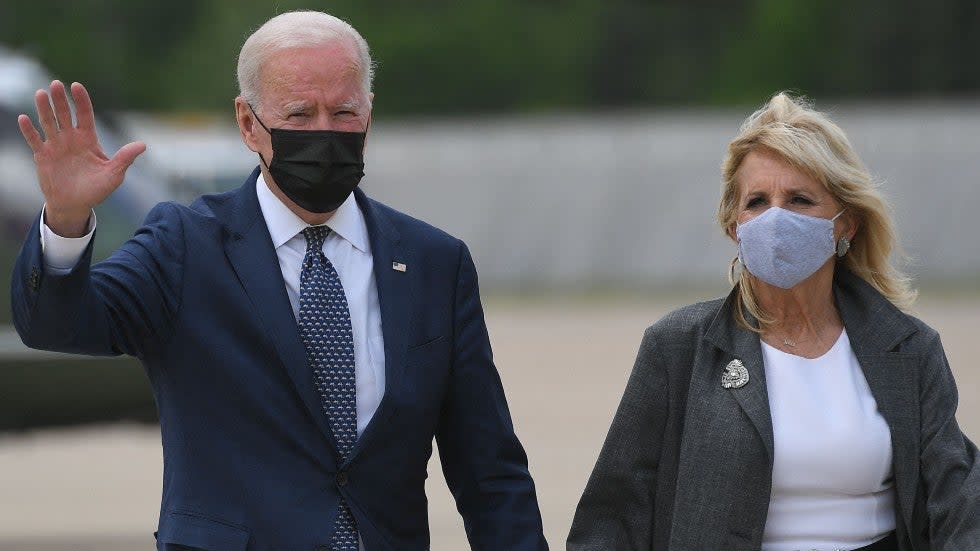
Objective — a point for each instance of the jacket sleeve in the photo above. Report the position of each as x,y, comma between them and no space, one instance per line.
123,305
616,510
484,463
950,463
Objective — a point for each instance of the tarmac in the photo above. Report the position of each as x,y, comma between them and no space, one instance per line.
564,365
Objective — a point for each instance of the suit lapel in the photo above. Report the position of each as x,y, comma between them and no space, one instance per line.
249,248
395,298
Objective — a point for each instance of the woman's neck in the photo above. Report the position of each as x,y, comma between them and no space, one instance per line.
803,320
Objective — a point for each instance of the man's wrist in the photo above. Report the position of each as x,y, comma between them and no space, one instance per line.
67,223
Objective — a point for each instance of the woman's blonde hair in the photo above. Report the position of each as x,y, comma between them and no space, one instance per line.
811,142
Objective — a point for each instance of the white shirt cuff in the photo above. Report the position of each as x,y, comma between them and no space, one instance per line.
61,254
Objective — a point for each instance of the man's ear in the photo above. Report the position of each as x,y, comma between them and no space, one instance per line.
246,123
371,113
367,127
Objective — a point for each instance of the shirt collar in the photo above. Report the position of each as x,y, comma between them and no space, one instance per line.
347,221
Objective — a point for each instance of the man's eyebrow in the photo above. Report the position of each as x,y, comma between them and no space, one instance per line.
350,103
295,106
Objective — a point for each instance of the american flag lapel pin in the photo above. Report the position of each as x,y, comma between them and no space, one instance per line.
398,267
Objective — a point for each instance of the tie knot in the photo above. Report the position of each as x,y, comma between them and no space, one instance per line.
314,237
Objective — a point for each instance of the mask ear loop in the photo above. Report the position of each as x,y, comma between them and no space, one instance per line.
736,263
264,127
843,244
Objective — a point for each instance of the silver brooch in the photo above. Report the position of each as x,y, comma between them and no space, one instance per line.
735,375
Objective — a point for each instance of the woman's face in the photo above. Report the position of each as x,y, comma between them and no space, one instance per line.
766,180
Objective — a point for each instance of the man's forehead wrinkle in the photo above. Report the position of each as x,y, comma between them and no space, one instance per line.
340,52
289,80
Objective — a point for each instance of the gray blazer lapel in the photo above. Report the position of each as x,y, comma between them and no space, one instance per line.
743,345
893,383
875,327
754,397
726,446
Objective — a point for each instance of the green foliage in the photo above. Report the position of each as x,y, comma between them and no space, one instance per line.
485,56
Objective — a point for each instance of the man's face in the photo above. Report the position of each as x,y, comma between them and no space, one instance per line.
305,88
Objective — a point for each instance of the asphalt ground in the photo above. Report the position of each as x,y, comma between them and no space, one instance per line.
564,365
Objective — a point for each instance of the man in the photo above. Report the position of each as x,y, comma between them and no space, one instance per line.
304,343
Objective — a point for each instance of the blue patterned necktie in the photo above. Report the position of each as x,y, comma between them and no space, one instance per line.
324,324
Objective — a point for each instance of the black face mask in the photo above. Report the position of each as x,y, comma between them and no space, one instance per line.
316,169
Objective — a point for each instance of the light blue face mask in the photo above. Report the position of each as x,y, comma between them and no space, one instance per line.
783,248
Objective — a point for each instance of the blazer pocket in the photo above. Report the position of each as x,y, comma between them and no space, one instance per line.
182,530
426,342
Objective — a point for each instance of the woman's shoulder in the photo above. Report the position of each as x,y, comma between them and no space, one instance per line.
686,321
921,338
671,344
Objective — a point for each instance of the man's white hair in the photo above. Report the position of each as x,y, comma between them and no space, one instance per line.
297,29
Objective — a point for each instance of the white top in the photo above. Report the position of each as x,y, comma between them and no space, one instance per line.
832,485
348,249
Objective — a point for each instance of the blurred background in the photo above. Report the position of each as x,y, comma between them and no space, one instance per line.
574,145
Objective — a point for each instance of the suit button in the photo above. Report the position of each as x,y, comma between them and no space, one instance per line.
35,279
342,478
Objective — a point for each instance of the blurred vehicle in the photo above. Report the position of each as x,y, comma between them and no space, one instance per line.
20,198
198,153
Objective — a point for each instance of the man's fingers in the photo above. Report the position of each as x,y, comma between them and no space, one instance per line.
45,115
84,114
62,111
126,155
30,133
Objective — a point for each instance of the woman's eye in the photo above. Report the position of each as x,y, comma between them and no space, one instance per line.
753,202
801,200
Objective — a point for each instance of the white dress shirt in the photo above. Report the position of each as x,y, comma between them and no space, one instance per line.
832,485
60,254
348,249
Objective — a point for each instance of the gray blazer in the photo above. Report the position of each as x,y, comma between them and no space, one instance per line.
687,464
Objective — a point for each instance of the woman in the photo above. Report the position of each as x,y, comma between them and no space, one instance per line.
806,410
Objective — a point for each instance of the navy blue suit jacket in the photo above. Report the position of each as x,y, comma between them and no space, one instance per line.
249,460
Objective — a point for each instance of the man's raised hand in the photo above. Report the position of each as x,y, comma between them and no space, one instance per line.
73,171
